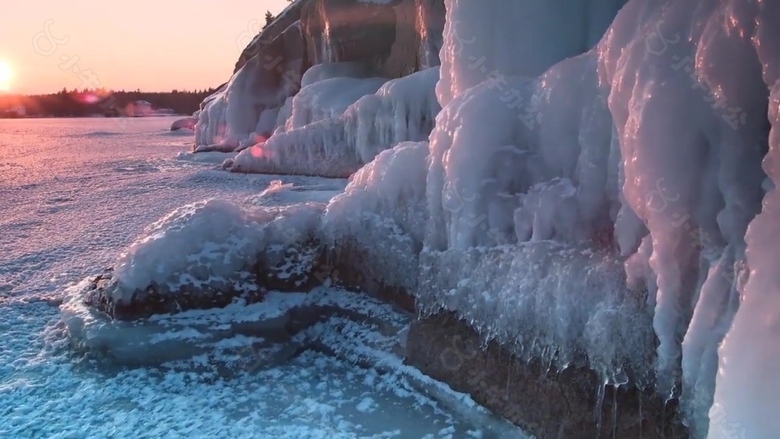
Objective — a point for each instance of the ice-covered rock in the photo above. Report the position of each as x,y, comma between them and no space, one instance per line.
340,39
745,399
208,254
689,86
248,104
373,229
568,306
542,171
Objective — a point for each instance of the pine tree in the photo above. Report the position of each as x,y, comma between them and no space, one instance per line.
269,17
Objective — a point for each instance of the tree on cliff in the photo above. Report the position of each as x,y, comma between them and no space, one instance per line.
269,17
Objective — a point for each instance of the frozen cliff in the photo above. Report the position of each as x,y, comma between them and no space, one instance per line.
589,184
320,76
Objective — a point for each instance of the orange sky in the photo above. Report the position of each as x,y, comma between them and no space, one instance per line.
154,45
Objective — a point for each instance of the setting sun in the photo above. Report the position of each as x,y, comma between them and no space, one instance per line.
6,75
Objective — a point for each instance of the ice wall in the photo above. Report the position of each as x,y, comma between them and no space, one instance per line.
689,99
539,171
746,403
650,144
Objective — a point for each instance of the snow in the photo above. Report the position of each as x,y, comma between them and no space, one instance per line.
76,200
187,122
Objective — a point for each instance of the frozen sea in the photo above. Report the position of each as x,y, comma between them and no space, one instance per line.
74,193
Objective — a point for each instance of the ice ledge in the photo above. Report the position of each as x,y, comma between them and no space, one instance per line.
567,306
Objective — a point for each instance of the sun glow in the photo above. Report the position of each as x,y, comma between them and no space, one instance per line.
6,75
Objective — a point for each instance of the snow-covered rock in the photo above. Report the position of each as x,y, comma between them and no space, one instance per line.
373,228
187,122
208,254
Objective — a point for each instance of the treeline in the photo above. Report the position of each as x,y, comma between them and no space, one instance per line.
81,103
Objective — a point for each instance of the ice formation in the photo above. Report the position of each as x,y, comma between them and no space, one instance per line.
747,384
376,221
248,104
516,157
337,125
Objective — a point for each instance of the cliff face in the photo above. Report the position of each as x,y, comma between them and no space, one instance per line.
370,41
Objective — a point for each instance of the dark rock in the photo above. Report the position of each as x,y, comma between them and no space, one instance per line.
545,403
158,300
348,30
402,59
290,268
351,267
269,33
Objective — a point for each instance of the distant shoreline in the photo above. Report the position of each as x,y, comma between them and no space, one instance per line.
3,117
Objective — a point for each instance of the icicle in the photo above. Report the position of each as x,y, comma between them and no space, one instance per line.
599,407
508,378
615,389
641,418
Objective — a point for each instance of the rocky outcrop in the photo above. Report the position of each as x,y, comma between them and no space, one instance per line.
348,30
396,38
295,268
269,33
158,299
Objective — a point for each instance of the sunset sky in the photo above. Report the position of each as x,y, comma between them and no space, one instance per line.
152,45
